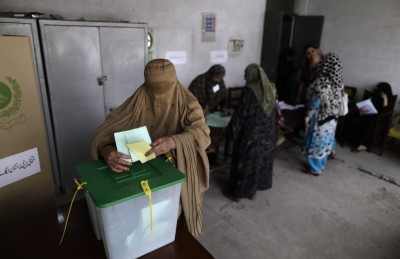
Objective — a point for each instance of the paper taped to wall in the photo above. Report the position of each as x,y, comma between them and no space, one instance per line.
19,166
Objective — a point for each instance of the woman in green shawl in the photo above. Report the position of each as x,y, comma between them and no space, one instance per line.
252,130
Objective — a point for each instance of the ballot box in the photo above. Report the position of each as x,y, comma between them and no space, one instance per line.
128,221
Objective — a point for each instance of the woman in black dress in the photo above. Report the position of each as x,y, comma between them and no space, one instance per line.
252,130
359,129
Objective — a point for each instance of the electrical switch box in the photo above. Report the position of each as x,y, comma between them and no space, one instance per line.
235,45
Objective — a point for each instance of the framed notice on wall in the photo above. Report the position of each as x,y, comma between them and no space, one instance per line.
208,27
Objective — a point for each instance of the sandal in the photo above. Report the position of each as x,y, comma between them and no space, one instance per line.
307,170
314,173
252,197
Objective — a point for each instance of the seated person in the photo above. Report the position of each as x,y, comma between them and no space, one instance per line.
209,89
358,128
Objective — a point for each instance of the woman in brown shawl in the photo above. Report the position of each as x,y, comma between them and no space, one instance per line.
176,124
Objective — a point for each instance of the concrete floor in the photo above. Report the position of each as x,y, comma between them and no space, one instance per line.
351,211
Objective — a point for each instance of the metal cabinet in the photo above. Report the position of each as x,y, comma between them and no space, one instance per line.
91,68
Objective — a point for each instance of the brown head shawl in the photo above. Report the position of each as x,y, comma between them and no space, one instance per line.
167,108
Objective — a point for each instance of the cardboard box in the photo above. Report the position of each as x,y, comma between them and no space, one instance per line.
23,135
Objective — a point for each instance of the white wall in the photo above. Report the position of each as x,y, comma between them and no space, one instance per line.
176,25
365,35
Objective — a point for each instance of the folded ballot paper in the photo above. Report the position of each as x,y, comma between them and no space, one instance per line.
366,107
134,142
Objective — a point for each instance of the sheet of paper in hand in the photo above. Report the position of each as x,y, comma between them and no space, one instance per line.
366,107
123,138
140,149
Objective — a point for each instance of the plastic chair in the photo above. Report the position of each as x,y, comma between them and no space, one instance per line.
234,94
394,132
351,92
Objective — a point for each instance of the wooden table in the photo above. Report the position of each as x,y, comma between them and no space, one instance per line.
38,237
294,121
294,118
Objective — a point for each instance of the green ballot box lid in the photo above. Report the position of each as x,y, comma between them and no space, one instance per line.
108,188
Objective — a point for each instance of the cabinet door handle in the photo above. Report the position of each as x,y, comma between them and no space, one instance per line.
102,80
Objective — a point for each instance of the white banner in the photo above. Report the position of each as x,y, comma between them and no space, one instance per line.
176,57
19,166
218,56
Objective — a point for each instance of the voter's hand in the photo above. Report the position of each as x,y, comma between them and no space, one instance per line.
114,159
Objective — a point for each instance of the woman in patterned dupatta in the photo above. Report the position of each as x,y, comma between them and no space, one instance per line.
325,96
253,134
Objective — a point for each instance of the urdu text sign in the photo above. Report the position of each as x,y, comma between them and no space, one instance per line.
19,166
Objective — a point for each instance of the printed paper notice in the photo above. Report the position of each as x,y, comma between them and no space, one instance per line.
19,166
218,56
177,57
